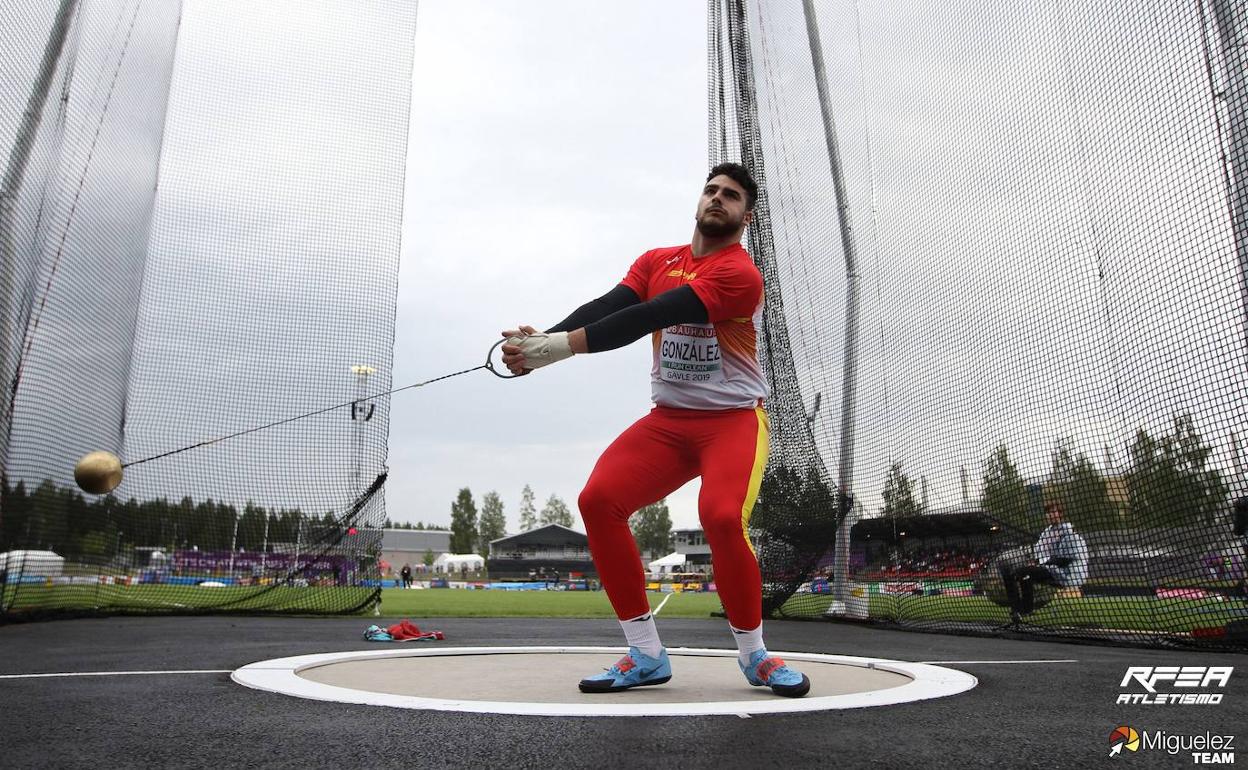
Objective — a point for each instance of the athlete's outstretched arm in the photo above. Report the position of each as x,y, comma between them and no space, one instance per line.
597,309
675,306
679,305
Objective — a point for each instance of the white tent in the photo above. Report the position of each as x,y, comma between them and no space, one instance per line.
454,562
673,562
32,564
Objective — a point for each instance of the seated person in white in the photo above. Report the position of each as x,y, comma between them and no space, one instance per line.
1061,559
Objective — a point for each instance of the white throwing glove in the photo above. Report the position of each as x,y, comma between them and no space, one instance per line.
543,349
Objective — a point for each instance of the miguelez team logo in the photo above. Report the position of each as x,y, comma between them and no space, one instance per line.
1123,736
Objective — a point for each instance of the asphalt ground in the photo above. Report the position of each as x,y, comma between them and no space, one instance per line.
1023,714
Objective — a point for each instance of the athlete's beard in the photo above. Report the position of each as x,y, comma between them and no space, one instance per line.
717,228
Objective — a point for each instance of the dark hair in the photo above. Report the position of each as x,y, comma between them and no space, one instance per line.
1054,506
741,175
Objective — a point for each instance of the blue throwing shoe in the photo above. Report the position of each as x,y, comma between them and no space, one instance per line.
765,670
636,669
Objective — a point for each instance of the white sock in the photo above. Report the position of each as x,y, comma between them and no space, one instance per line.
643,634
748,642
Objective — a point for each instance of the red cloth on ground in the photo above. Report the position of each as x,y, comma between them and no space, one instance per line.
407,631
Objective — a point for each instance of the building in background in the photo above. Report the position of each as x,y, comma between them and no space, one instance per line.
552,548
691,543
410,546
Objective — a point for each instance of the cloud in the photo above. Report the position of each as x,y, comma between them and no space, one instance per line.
1042,238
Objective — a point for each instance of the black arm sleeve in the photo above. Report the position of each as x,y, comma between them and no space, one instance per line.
677,306
597,309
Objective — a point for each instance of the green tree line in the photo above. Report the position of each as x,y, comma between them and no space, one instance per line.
472,531
1167,483
62,519
390,524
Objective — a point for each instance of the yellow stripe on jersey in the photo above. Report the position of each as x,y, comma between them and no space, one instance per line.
756,476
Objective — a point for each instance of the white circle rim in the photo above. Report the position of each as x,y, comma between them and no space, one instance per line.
281,675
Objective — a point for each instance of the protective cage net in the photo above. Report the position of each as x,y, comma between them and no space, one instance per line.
201,213
1005,251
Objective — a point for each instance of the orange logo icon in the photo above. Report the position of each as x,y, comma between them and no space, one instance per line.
1123,736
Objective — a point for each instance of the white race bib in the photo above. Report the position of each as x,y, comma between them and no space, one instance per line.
690,353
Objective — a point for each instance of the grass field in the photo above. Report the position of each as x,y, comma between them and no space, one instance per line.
437,602
173,597
1120,613
1129,613
446,603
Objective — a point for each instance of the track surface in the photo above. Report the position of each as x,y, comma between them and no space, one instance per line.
1021,715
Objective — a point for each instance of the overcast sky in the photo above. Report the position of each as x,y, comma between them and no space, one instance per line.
1037,199
551,144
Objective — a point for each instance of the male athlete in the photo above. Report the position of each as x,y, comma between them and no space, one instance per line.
703,305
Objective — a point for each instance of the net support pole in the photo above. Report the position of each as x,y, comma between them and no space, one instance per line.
1231,19
849,376
10,187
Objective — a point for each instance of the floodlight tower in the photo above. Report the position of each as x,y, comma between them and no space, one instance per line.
361,412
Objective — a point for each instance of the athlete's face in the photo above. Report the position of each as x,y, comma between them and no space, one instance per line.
722,208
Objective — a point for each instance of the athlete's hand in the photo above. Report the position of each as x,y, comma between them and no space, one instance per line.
513,358
527,349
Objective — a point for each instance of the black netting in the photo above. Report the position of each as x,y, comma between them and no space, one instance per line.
201,235
1005,254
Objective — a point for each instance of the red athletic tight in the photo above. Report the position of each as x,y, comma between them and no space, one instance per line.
653,458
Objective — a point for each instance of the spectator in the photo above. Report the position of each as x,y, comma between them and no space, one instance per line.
1060,559
405,576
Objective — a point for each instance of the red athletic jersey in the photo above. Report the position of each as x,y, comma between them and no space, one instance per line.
712,365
